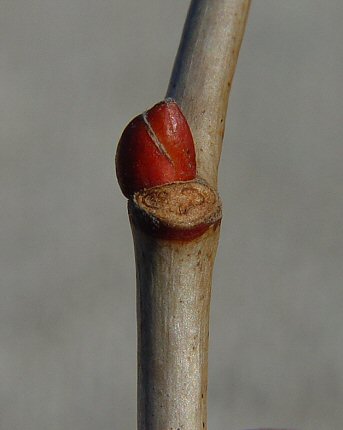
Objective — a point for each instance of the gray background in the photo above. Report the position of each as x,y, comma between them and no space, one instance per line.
72,74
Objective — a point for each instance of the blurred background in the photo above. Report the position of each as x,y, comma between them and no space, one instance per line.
72,74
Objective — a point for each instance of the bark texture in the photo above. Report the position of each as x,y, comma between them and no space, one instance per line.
173,327
203,73
174,276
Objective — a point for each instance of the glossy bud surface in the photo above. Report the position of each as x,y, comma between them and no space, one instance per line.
156,148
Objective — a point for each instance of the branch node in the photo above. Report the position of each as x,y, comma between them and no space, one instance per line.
176,211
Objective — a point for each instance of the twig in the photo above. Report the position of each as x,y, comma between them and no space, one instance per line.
203,73
173,298
176,226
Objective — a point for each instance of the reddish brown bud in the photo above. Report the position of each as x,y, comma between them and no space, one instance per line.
155,148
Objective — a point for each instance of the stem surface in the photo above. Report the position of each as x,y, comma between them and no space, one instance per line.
173,315
174,276
203,72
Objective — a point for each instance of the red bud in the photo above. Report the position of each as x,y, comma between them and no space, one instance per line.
156,148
